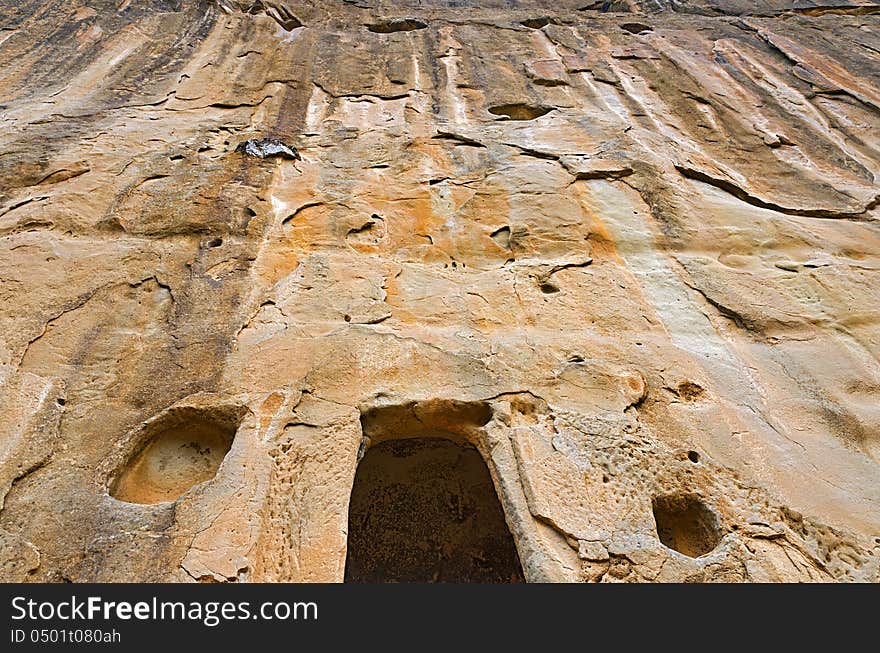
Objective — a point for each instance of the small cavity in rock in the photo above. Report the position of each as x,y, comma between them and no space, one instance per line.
686,524
519,111
536,23
396,25
263,148
635,28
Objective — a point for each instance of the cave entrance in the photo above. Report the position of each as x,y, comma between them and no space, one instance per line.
424,510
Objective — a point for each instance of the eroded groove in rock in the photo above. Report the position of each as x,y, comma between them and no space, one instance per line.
738,192
277,11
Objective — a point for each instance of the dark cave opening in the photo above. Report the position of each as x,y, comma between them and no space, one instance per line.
425,510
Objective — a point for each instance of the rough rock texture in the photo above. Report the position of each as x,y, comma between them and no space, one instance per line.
627,250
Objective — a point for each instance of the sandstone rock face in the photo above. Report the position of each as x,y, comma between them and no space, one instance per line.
627,251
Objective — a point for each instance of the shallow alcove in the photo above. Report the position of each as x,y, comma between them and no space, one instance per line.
424,509
686,524
519,111
176,451
396,25
635,28
535,23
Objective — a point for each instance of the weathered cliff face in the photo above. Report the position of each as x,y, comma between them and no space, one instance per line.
628,251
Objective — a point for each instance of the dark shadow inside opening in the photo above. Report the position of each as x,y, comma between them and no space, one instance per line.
425,510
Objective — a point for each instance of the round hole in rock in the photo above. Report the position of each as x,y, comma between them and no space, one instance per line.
686,524
694,457
181,449
425,510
